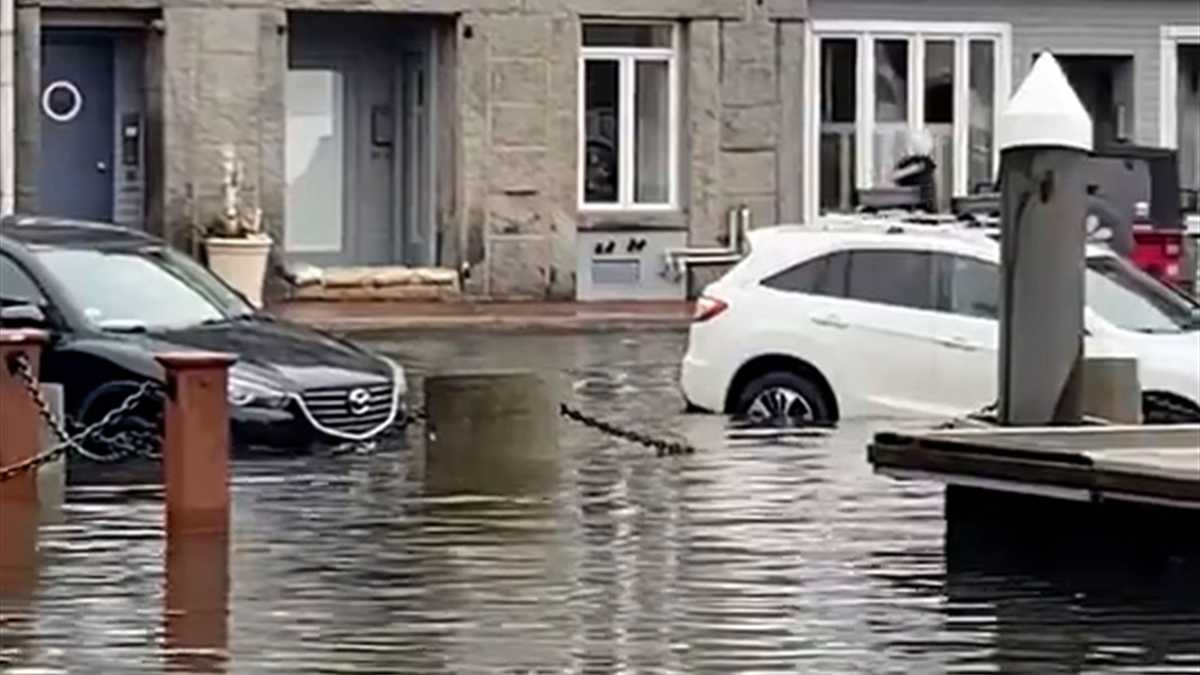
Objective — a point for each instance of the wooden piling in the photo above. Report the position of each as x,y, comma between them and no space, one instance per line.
196,443
19,421
196,482
19,441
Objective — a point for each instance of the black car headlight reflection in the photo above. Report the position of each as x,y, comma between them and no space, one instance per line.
244,393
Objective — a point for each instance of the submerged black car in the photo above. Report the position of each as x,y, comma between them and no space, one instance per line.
111,298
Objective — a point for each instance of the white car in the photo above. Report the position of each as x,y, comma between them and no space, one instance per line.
823,323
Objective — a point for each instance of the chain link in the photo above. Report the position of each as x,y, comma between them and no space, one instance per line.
123,444
659,446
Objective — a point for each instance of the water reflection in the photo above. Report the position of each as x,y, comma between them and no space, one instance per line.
752,555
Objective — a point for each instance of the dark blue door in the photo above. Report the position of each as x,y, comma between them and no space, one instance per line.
76,179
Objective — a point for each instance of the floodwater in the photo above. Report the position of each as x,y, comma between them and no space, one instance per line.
786,556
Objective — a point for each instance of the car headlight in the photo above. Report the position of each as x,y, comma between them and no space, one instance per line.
244,393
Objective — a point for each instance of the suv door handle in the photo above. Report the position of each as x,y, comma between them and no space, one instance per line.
958,342
831,320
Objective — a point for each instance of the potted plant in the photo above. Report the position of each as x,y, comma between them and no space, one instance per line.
235,245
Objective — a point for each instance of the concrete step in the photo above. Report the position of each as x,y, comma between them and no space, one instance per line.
375,283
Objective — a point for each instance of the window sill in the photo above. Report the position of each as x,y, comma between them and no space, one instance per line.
633,219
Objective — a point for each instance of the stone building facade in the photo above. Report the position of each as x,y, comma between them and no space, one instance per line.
491,174
497,137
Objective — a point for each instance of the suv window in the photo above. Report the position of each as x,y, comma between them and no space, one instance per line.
16,286
969,287
901,278
825,275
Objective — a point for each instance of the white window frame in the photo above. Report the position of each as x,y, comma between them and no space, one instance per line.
627,59
1171,37
916,33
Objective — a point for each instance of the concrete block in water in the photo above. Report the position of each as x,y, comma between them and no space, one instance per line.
1111,389
491,433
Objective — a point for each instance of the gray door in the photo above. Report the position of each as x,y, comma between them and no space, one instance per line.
415,171
75,178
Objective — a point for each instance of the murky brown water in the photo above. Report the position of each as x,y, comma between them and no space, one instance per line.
744,557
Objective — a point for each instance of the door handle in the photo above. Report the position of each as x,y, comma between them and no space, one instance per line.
101,167
831,320
958,342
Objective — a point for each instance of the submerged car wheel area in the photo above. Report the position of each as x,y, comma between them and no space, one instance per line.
112,299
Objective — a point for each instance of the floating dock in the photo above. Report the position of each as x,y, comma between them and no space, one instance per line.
1135,465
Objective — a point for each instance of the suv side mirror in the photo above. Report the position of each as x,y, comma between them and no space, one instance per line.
23,316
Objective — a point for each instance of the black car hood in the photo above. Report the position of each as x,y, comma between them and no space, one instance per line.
291,357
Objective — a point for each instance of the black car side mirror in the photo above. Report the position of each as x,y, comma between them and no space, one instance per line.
23,316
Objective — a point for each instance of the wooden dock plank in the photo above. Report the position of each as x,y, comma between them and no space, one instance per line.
1158,463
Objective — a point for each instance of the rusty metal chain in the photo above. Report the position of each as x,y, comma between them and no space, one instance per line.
659,446
123,444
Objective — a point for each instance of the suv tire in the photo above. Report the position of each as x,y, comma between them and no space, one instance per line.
780,396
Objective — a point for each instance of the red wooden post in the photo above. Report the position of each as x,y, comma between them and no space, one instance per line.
196,443
196,482
19,441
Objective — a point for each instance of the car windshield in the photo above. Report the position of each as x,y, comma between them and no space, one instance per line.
143,289
1129,298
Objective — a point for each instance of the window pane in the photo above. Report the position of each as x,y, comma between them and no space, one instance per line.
839,68
626,35
892,278
823,276
16,287
939,115
891,80
1188,113
314,161
982,85
975,288
1128,298
839,111
891,106
653,133
601,122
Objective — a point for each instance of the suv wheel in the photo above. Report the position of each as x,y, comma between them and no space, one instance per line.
783,397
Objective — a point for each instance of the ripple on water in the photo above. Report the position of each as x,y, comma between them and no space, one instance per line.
756,554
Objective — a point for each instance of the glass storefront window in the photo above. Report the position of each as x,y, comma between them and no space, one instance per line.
839,114
314,161
891,106
982,107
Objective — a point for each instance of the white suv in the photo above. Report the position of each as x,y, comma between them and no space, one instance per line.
822,324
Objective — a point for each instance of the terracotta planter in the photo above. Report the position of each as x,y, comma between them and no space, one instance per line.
242,263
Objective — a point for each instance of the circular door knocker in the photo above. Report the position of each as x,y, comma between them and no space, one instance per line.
62,101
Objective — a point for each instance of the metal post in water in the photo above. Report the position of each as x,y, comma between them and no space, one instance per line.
196,481
18,495
1044,136
196,443
491,433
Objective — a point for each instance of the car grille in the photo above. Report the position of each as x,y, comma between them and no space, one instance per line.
332,411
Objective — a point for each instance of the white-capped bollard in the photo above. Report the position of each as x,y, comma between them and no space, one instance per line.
491,433
1111,389
52,477
1044,135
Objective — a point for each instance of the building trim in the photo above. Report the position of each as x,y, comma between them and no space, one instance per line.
1171,36
8,129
